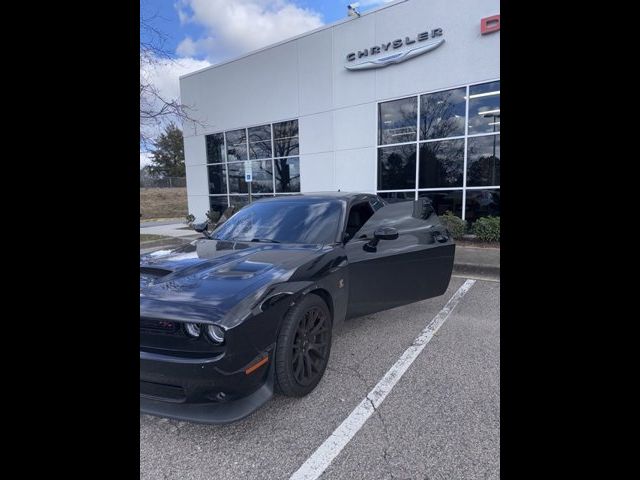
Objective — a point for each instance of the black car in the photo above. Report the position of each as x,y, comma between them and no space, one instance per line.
251,308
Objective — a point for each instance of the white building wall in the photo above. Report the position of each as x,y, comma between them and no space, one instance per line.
305,78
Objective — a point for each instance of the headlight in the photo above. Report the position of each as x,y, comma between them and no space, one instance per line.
215,333
193,329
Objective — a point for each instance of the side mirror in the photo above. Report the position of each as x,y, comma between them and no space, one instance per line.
381,233
385,233
201,228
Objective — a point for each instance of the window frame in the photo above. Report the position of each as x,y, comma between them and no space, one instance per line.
226,163
416,190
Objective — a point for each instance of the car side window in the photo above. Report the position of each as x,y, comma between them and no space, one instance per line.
358,216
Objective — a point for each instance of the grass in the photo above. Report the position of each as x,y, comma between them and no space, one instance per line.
163,203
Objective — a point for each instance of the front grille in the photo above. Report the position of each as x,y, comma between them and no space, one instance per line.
168,393
153,325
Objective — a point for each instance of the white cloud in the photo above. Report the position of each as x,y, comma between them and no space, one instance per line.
232,28
191,48
187,48
164,74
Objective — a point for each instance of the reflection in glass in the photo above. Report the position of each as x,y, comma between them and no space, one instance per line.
397,121
217,178
236,145
262,175
218,203
285,138
393,197
483,161
441,164
285,129
484,108
442,114
284,221
260,142
215,148
287,171
482,203
397,167
238,201
444,201
236,178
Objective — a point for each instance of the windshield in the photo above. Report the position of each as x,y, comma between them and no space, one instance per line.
284,222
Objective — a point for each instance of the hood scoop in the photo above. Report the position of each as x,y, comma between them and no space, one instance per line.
240,269
155,272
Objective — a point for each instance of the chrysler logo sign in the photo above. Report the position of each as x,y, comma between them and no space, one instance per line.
419,43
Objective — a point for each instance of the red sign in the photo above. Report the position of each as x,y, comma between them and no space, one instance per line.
490,24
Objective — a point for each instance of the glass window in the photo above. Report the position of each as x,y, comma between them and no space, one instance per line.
236,178
238,201
397,167
484,108
397,121
260,142
285,138
441,164
287,171
444,201
442,114
218,203
482,203
217,178
284,221
215,148
393,197
236,145
483,161
262,175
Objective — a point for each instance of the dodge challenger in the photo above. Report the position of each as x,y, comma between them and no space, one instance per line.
250,308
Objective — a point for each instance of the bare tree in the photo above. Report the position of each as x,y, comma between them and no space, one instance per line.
155,109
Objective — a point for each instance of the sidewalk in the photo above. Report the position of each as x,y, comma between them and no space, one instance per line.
477,261
469,261
169,229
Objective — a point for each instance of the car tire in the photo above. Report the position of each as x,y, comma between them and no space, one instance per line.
303,347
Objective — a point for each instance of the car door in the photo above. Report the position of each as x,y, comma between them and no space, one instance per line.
415,266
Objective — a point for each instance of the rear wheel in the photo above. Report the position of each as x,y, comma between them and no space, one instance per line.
303,347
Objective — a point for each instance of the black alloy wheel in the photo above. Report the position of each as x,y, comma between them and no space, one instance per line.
303,348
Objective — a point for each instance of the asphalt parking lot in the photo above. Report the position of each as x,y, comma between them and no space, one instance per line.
441,420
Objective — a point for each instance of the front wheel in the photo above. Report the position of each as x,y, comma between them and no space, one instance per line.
303,347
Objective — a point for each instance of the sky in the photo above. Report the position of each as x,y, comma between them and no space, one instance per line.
199,33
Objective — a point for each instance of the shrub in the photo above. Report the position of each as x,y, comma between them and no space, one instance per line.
487,229
190,219
455,225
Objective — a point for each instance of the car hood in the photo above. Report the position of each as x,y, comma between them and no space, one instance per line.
209,280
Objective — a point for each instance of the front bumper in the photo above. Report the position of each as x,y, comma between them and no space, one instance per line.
198,390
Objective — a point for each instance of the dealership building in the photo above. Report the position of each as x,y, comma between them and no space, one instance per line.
402,101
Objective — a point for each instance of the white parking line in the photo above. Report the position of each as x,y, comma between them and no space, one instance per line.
318,462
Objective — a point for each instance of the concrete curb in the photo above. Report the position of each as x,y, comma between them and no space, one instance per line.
471,269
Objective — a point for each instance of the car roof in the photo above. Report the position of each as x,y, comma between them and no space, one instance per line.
310,196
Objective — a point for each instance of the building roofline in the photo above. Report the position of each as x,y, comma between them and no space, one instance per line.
293,39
